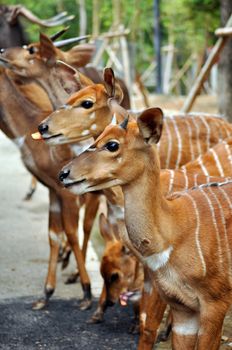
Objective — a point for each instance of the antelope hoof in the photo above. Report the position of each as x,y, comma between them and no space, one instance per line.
134,328
39,305
97,317
29,195
164,335
65,259
72,278
85,304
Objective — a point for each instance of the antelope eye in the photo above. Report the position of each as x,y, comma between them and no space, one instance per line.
87,104
112,146
31,50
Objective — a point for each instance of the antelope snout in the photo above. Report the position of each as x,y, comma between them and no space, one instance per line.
43,127
64,174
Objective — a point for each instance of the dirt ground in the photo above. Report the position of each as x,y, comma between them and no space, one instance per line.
23,266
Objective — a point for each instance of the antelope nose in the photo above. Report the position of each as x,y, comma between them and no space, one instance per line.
64,174
43,128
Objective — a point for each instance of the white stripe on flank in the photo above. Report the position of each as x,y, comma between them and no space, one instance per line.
190,138
197,138
226,196
171,180
214,223
169,143
224,225
179,141
158,260
186,179
197,233
208,131
195,179
217,161
228,151
228,133
203,168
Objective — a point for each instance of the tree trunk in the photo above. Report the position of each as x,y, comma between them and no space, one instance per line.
225,67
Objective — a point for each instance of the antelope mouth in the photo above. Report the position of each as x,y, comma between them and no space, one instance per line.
133,296
72,183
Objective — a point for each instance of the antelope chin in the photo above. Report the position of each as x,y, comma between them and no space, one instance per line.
54,139
77,187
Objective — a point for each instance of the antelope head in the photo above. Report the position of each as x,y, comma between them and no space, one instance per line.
109,161
86,113
35,60
118,265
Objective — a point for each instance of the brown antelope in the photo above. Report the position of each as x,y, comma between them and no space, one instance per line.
121,272
20,113
184,240
86,114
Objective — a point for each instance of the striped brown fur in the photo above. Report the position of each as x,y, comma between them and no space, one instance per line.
184,240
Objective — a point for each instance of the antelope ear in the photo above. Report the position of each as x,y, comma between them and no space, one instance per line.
150,124
69,77
105,229
80,55
47,50
112,85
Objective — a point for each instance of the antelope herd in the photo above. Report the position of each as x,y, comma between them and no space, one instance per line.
166,179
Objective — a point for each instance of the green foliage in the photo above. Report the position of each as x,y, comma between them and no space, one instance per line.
188,24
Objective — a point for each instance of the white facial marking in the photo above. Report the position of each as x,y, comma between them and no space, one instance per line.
189,327
81,146
158,260
92,116
114,120
93,127
85,132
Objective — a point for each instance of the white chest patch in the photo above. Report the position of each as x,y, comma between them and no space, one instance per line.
158,260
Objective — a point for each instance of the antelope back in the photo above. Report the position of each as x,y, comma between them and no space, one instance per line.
189,136
216,162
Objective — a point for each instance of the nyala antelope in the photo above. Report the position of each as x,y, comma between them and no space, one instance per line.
184,240
86,114
21,111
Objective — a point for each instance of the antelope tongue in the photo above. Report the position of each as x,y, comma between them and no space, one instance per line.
132,296
36,136
124,297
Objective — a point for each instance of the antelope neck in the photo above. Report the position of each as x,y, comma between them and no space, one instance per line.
147,213
53,87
